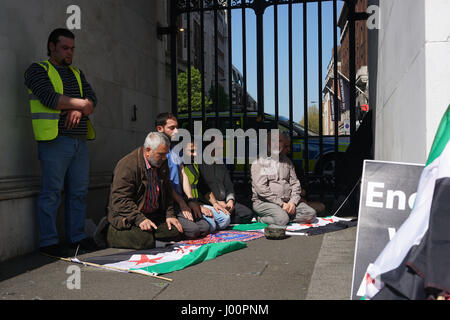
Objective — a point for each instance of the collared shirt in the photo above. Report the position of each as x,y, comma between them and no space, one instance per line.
152,199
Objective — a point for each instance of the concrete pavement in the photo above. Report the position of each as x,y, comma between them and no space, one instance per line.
298,268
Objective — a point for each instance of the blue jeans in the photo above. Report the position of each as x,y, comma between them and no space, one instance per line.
220,221
64,165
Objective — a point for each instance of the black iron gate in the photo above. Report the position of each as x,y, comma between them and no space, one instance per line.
222,9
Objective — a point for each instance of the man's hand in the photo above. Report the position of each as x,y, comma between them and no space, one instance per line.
88,107
207,212
195,209
72,119
222,203
220,207
174,222
147,225
289,207
230,205
85,106
186,211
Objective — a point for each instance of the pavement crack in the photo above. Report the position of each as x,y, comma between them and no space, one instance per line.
165,286
263,269
259,273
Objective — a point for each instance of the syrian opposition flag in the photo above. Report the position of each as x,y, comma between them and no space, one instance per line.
161,260
319,226
415,264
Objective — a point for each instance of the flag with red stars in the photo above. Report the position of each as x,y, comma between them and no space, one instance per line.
162,260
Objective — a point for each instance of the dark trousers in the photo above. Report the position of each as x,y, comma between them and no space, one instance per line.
137,239
198,228
241,214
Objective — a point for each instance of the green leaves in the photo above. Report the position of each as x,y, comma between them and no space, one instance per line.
196,92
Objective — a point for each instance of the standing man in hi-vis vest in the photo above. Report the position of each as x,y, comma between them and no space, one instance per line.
61,100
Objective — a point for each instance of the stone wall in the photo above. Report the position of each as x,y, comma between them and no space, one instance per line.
122,58
413,75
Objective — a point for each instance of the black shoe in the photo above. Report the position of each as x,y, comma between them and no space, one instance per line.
84,246
54,250
101,233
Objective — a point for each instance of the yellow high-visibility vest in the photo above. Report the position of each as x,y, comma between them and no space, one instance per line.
193,179
44,119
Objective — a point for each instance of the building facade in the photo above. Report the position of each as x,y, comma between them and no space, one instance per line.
409,64
362,75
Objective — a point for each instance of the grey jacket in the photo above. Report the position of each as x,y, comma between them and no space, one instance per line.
275,181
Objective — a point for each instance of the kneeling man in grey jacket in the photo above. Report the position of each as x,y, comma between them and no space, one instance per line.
276,189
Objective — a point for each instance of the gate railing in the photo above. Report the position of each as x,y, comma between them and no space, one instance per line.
202,7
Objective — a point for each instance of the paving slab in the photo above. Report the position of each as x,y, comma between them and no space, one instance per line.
332,277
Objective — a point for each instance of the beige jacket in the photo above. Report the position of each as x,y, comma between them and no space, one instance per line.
275,181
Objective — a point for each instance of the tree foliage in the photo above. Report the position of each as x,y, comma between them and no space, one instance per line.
313,118
196,92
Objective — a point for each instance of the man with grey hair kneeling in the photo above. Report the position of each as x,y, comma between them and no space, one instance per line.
276,188
140,208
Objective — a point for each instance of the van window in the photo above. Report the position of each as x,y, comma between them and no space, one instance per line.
285,129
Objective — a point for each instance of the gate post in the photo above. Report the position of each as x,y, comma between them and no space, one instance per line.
352,66
173,56
259,7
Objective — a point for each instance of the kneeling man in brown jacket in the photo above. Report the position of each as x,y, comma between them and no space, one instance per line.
140,207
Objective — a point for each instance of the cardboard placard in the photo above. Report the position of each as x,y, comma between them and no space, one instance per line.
388,191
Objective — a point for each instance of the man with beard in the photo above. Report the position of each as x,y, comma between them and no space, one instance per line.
140,208
60,101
